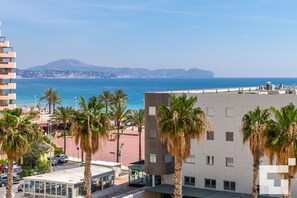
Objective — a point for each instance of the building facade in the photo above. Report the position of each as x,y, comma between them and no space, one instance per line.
7,74
220,161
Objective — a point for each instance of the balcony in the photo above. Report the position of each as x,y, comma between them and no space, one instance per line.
8,106
8,65
10,96
8,86
4,43
8,55
8,75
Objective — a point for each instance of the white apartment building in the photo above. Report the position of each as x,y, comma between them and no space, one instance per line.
221,162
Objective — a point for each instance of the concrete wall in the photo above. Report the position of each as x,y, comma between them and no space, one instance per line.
241,172
153,145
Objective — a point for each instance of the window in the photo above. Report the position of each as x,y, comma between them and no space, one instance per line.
210,135
228,185
229,136
168,158
210,183
189,181
229,161
153,158
210,111
210,160
152,133
229,112
152,111
190,160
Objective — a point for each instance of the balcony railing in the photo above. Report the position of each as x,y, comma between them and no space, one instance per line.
8,86
8,55
10,96
7,65
8,75
4,44
7,106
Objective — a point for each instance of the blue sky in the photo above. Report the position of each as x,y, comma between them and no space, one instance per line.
233,38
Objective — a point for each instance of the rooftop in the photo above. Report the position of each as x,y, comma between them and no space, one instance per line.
198,192
71,176
268,89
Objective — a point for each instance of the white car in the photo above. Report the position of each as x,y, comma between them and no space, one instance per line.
62,158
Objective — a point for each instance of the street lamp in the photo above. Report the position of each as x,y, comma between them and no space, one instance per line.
121,153
77,154
75,103
49,130
35,99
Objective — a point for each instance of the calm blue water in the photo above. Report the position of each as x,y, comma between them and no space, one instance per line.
135,88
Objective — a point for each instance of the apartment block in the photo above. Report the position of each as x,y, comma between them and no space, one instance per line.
7,74
220,162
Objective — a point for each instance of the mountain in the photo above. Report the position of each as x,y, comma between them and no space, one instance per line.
70,68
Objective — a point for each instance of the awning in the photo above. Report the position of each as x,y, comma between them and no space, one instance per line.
198,192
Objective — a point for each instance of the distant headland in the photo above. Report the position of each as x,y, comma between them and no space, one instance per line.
71,68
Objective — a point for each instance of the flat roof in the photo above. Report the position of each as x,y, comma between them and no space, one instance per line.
71,176
199,192
262,90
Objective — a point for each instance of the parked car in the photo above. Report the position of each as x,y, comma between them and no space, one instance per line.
21,187
54,161
62,158
3,179
3,167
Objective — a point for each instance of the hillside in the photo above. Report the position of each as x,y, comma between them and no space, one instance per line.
70,68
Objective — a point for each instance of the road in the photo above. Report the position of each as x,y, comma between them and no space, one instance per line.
59,167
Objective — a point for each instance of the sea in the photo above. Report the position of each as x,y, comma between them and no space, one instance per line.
29,91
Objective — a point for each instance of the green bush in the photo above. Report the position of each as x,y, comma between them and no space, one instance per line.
3,161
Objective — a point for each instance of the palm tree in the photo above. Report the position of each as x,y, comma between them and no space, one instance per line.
63,115
282,139
16,133
90,126
56,99
52,98
254,127
137,119
178,124
119,114
105,98
119,96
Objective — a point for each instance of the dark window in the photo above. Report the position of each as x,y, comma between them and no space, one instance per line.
229,161
229,136
189,181
152,133
228,185
210,160
210,183
210,135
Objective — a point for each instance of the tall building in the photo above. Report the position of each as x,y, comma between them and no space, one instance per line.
221,163
7,74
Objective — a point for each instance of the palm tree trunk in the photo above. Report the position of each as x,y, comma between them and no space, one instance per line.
178,179
64,137
139,131
118,142
87,179
49,107
9,179
54,106
255,177
106,106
